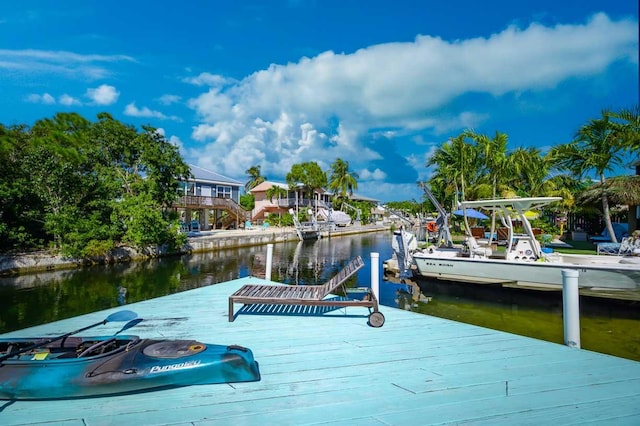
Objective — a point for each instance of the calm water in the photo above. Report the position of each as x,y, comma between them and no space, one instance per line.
28,300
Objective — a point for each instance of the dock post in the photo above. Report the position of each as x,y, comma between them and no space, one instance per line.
571,308
375,275
267,274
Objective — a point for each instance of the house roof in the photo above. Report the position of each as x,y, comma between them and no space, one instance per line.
264,186
204,175
362,198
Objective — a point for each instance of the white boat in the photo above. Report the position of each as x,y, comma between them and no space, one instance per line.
524,263
338,217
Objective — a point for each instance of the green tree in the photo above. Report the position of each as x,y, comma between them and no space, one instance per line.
72,181
247,201
21,209
597,147
457,165
276,191
629,131
58,166
255,178
496,167
307,177
530,172
342,181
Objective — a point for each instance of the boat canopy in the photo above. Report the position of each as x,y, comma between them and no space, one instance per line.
518,204
504,208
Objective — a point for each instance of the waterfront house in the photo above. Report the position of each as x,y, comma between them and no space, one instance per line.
290,199
209,200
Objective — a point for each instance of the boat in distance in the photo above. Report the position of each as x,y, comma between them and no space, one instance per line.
524,262
106,365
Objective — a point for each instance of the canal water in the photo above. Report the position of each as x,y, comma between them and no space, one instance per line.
607,326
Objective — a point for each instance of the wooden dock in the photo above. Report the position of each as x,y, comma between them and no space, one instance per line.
330,368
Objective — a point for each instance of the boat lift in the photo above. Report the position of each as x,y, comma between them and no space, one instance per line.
442,221
306,230
357,221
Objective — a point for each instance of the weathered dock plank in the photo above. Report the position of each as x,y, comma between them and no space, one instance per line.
333,369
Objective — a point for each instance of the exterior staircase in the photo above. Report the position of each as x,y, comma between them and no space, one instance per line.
234,211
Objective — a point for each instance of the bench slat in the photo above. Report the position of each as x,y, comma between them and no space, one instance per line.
255,294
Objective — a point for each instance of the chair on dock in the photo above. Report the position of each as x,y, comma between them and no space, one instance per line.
309,295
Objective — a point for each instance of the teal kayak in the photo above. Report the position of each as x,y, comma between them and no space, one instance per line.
106,365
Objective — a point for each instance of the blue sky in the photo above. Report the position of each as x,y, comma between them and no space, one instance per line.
380,84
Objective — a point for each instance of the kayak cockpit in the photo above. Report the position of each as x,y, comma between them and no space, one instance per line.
69,348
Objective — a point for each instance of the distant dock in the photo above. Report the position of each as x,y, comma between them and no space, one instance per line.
333,369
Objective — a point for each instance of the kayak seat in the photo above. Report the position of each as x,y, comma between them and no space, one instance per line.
92,350
276,295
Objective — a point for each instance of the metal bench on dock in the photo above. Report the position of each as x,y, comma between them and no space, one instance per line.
309,295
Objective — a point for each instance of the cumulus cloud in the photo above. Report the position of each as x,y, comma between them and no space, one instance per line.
103,95
356,106
376,174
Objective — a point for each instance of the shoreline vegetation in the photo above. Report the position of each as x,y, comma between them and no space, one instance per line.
197,242
75,192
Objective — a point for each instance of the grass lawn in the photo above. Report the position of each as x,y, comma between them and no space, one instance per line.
578,247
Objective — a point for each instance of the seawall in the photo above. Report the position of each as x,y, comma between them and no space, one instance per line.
198,242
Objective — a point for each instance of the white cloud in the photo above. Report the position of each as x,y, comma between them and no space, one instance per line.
68,100
133,111
332,105
376,174
169,99
207,79
103,95
69,64
45,99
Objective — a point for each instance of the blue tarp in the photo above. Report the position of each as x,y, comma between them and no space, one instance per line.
620,229
474,214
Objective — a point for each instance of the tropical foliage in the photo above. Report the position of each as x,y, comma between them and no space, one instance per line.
84,187
306,177
255,178
599,146
342,181
475,166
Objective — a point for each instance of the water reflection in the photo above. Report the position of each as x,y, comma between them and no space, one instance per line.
40,298
607,326
122,295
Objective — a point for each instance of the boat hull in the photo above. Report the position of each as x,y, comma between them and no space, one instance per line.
531,274
137,366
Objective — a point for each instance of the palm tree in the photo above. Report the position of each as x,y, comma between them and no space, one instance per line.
530,172
255,178
497,167
630,126
457,165
342,181
596,147
276,191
